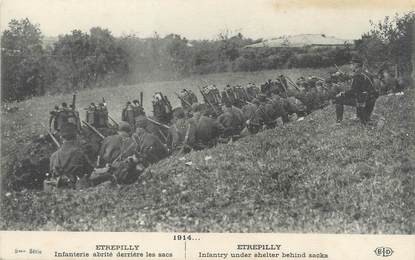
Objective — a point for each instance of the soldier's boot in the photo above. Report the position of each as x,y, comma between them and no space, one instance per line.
361,114
370,105
339,112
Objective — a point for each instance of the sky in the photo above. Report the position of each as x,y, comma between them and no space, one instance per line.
204,19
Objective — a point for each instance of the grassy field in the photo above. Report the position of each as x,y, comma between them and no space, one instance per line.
19,127
307,176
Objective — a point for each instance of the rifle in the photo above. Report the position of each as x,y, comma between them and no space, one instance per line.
115,122
283,86
73,101
158,123
293,83
182,99
52,136
338,69
94,130
207,101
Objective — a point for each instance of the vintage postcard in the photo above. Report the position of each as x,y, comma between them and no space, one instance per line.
207,129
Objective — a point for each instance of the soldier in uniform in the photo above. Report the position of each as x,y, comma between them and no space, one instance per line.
208,130
261,116
232,119
117,158
112,146
69,163
182,134
362,94
294,106
149,148
252,91
275,108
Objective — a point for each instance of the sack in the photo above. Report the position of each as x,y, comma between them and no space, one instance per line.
162,108
212,94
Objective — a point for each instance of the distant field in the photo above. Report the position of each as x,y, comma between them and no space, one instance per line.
307,176
20,126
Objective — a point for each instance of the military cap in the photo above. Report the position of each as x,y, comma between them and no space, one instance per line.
124,126
68,131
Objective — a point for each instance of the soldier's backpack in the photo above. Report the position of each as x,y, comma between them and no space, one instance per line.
90,115
240,93
102,115
162,108
211,93
187,98
230,95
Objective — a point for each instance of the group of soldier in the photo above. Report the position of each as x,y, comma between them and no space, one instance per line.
139,140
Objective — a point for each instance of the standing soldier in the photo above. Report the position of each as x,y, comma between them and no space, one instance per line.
69,163
362,94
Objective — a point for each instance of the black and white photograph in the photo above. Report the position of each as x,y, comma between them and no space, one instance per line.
208,116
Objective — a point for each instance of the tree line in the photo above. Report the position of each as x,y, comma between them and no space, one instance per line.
80,60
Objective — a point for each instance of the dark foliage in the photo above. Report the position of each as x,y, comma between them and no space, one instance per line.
389,42
80,60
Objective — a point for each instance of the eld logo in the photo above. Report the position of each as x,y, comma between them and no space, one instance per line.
383,251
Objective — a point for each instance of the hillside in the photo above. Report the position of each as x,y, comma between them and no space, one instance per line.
308,176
